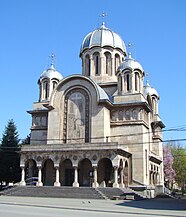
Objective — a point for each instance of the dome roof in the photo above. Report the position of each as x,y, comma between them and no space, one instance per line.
148,90
51,73
130,63
103,37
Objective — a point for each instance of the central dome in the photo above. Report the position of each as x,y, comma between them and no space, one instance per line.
103,37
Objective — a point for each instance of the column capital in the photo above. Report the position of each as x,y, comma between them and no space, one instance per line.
95,167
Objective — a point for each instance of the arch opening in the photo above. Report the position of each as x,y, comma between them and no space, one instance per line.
85,173
66,172
48,173
105,172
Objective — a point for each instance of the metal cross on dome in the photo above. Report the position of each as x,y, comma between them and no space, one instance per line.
130,46
52,57
103,15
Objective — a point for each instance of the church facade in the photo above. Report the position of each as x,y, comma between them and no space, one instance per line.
101,128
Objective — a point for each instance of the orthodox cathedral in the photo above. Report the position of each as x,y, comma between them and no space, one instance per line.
98,129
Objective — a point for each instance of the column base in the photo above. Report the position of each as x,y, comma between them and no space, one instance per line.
75,184
115,185
121,185
103,184
95,185
22,183
39,184
57,184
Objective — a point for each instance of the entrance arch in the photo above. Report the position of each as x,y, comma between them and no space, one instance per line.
31,171
85,173
48,173
105,172
66,172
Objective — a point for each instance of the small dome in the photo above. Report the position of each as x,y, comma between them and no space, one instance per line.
103,37
130,63
148,90
51,73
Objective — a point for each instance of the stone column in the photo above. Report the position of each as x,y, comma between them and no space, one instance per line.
115,184
113,66
57,183
39,183
75,183
23,183
95,183
91,65
121,185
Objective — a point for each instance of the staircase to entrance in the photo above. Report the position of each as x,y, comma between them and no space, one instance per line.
72,192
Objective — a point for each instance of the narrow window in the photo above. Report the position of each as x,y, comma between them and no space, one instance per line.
96,59
97,65
54,84
128,82
45,89
87,65
108,63
136,81
117,61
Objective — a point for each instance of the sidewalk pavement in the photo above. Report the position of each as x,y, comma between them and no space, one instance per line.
149,207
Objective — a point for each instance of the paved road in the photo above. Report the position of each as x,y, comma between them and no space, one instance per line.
54,207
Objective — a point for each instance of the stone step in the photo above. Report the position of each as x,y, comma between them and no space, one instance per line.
63,192
121,193
73,192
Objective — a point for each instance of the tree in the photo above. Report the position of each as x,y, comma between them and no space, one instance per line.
26,140
169,172
10,136
10,169
179,164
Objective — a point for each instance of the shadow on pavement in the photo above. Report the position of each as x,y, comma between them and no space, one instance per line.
157,204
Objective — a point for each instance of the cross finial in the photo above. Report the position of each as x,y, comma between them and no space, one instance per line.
130,46
52,57
103,15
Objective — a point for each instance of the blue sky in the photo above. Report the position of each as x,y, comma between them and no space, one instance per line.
31,30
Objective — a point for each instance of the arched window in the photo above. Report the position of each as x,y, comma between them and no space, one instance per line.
96,62
76,117
137,81
45,90
87,65
120,115
128,81
40,91
119,83
54,83
108,63
127,115
154,105
117,61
